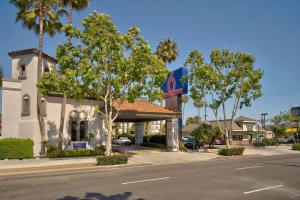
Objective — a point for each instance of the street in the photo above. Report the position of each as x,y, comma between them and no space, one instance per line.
271,177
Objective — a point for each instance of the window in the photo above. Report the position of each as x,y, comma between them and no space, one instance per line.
43,110
237,137
22,72
26,105
73,131
46,69
82,130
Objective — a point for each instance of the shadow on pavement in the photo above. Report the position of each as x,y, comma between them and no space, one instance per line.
99,196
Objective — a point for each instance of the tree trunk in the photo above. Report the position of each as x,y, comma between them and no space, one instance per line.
39,95
225,126
70,20
108,141
62,122
199,113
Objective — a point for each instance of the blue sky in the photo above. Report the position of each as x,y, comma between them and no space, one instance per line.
267,29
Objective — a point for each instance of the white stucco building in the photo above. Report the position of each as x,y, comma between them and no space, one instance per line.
19,108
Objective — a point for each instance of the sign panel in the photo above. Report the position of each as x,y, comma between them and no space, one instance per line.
175,85
79,145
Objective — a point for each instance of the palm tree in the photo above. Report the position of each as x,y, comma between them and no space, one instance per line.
77,5
1,75
42,16
198,103
185,99
167,50
74,4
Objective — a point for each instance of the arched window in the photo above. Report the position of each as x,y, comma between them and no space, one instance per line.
22,72
26,105
46,69
73,131
82,130
43,110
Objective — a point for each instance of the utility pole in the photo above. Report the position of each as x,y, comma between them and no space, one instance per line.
205,114
263,120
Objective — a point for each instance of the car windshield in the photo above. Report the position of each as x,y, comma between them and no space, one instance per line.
190,139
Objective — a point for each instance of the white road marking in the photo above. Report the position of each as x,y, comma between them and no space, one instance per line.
251,167
146,180
262,189
34,174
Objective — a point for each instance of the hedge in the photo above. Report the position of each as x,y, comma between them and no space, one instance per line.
232,151
112,160
154,145
296,147
266,142
53,152
100,150
16,148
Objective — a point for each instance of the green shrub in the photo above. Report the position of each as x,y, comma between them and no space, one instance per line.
16,148
232,151
182,147
266,142
270,142
100,150
54,152
112,160
296,147
154,145
77,153
259,144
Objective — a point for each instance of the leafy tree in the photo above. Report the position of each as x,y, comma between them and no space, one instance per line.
185,100
64,80
114,67
206,133
203,133
198,103
167,51
42,16
281,122
1,75
64,70
193,120
74,4
228,77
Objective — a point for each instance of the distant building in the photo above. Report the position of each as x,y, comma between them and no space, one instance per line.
244,129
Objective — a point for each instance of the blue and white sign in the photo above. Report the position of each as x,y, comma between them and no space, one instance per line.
175,85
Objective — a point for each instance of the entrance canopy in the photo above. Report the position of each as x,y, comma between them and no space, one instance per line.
142,111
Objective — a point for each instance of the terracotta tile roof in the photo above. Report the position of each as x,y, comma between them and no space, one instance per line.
30,51
144,106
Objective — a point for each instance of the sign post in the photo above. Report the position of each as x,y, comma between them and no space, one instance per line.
175,86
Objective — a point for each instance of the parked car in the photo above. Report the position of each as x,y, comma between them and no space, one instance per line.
191,143
185,138
124,140
286,140
218,141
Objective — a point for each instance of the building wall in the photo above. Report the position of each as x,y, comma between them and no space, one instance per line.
18,126
86,111
11,107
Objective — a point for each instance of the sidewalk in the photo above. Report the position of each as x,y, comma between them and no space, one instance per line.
144,156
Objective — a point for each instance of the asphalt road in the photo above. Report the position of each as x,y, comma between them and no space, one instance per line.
265,178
